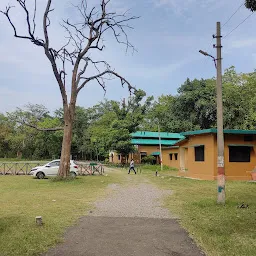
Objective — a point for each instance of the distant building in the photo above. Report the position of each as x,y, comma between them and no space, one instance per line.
146,144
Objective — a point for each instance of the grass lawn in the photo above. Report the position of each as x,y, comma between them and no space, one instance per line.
22,198
219,230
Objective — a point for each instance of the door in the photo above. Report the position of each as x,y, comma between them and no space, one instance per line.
52,168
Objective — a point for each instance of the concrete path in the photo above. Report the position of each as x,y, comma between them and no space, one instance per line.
130,222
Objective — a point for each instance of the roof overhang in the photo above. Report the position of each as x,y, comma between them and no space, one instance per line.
155,154
241,145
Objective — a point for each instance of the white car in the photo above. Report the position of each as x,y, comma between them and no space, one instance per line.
51,169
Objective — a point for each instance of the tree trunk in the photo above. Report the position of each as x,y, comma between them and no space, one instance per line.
66,142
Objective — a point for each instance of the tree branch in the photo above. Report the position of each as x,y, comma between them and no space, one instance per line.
101,75
42,129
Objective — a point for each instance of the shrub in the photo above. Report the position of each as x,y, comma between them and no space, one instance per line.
148,159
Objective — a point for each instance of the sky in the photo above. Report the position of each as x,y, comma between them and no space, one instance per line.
167,36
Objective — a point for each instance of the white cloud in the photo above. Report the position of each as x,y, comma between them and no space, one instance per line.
249,42
182,6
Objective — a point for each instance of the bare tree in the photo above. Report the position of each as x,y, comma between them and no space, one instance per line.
84,37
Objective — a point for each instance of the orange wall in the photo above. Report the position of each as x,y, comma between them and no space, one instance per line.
207,170
200,170
236,170
136,156
115,158
166,158
148,149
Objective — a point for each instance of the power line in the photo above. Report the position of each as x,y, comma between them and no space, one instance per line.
238,25
232,15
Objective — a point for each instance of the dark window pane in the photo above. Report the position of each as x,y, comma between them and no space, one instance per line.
176,156
239,154
170,156
199,154
248,138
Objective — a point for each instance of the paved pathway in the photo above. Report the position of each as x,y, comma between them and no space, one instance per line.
130,222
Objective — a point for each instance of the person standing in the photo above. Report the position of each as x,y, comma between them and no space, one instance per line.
131,167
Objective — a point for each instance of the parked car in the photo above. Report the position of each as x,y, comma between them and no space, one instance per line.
51,169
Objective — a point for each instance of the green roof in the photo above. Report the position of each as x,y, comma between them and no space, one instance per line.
155,154
163,135
152,142
214,130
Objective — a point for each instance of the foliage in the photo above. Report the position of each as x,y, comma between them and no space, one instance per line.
194,107
148,159
250,4
108,125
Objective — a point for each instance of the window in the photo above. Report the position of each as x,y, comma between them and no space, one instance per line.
239,154
248,138
119,157
55,163
199,154
176,156
170,156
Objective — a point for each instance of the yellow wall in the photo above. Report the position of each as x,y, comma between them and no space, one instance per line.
166,157
136,156
207,170
236,170
200,170
115,158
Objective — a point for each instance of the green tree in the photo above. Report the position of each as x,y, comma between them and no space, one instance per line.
250,4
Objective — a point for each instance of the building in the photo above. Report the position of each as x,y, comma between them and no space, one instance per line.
147,143
194,153
197,154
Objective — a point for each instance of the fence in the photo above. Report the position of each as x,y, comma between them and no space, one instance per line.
87,169
17,168
23,168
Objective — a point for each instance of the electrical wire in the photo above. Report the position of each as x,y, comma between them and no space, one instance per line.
238,25
232,15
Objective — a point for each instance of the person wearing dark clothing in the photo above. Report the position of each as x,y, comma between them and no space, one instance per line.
131,167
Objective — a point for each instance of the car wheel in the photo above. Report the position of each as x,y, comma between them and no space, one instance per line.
72,174
40,175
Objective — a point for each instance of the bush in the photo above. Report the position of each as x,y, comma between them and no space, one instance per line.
148,159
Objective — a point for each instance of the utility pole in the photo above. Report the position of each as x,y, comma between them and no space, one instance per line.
160,146
220,134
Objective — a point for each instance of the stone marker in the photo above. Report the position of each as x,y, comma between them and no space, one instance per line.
39,220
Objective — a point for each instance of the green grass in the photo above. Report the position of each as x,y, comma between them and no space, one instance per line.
22,198
219,230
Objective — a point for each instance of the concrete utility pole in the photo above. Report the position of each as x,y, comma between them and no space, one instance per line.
160,146
220,134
